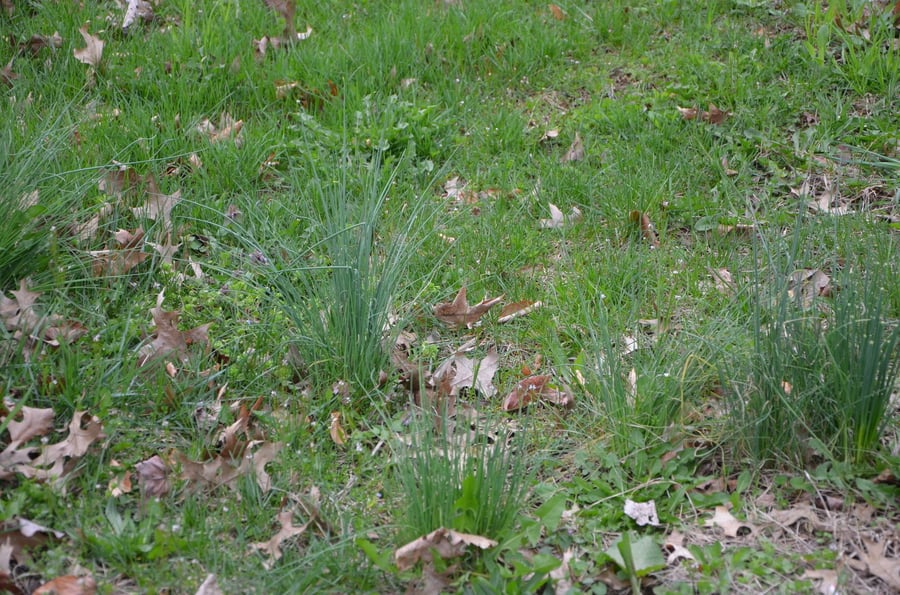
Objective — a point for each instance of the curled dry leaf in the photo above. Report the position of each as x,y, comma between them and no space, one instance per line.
68,585
226,471
643,513
446,543
288,530
647,228
536,388
674,547
167,338
576,150
460,372
209,587
92,53
557,12
137,9
557,219
51,461
729,525
459,313
518,309
713,116
122,259
153,477
7,76
806,285
337,432
22,535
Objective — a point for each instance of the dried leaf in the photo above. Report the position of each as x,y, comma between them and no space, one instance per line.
557,219
167,338
35,422
713,116
153,477
458,313
729,525
647,229
557,12
338,434
575,152
806,285
158,207
446,543
18,314
827,580
273,547
226,471
460,372
209,587
643,513
724,281
674,546
517,309
93,50
879,564
7,76
137,9
534,388
68,585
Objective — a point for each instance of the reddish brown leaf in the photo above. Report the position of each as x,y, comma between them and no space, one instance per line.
68,585
153,477
167,338
557,12
517,309
446,543
647,229
536,388
458,313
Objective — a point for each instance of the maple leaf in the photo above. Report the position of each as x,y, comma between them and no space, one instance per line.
445,543
575,152
458,313
93,50
168,339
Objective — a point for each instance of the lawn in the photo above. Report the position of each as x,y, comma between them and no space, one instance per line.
470,296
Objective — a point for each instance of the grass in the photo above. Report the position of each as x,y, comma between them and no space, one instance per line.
317,240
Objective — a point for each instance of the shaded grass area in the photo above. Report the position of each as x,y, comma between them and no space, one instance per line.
711,363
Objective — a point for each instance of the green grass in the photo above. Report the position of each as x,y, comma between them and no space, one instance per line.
325,233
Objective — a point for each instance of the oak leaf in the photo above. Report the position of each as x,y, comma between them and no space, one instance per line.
153,477
68,585
557,219
459,313
92,53
576,150
226,471
536,388
460,372
446,543
288,531
167,338
730,526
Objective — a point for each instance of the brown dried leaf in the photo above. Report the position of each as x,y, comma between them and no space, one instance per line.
446,543
458,313
557,219
158,207
35,422
647,229
879,564
713,116
168,339
575,152
54,460
288,530
226,471
806,285
137,9
38,42
534,388
557,12
68,585
517,309
21,535
92,53
729,525
153,477
7,76
459,371
18,314
209,587
337,432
